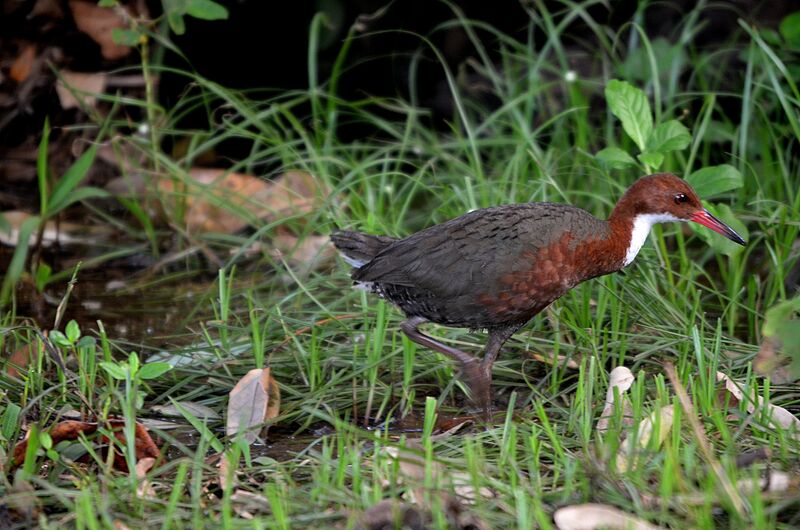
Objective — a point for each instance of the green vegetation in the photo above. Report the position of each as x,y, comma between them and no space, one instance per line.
727,119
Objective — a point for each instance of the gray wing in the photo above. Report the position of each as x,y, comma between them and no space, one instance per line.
469,253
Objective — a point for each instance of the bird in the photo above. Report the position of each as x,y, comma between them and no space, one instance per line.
495,268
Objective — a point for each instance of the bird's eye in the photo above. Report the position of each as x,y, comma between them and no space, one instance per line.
680,198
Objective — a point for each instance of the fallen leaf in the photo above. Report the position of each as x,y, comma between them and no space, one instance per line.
23,64
201,411
99,23
596,516
19,360
70,430
78,90
253,401
144,489
771,363
644,432
411,464
225,202
620,379
778,417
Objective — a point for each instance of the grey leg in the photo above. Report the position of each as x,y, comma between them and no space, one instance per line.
483,386
470,366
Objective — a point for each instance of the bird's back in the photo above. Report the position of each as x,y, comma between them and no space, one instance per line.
488,268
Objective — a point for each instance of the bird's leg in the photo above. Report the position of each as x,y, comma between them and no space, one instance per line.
483,384
470,366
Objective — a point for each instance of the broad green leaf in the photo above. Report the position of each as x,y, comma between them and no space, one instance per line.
790,29
630,105
783,327
176,23
17,265
154,370
206,10
43,274
718,242
59,339
45,440
29,466
133,362
80,194
72,331
87,342
69,181
710,181
114,370
779,313
107,3
652,160
10,421
671,135
615,158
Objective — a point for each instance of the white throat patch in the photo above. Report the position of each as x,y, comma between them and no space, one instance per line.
642,224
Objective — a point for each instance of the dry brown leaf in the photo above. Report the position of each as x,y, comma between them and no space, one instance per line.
633,444
778,417
254,400
596,516
77,90
144,489
768,362
20,359
23,64
774,482
99,23
621,379
220,201
411,464
70,430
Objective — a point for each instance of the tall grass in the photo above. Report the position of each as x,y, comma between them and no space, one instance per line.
351,376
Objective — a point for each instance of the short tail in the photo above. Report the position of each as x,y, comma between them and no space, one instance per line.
357,248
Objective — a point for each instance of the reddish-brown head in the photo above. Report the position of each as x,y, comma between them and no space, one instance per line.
664,197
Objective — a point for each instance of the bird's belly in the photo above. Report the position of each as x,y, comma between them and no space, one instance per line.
460,311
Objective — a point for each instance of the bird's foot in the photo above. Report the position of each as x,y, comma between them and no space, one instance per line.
479,381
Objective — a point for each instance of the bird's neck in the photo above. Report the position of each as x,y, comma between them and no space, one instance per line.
630,227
